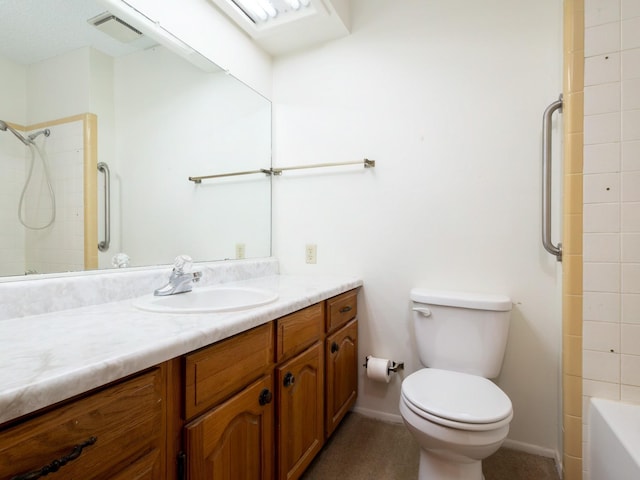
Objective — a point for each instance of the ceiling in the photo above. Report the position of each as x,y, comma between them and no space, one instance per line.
34,30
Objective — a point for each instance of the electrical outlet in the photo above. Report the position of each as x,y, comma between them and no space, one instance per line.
311,253
239,250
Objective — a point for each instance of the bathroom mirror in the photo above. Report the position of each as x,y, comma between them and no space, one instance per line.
152,116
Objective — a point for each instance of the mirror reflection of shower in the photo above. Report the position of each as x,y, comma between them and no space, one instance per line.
29,141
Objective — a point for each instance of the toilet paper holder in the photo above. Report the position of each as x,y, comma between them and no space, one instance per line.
395,366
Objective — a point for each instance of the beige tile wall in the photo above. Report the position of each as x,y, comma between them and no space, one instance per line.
573,89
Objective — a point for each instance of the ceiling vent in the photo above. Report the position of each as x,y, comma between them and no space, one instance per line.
115,28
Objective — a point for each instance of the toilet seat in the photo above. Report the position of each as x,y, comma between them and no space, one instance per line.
456,400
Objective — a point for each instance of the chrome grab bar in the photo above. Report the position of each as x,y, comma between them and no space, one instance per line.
103,246
546,180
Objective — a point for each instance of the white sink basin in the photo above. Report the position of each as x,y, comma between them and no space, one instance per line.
207,300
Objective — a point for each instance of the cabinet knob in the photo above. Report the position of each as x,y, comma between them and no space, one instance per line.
265,397
289,379
334,347
345,309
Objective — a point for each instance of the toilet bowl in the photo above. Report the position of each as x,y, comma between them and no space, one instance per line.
457,419
456,414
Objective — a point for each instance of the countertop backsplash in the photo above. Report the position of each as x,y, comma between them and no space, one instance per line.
21,297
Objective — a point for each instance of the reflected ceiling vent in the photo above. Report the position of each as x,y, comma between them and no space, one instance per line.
115,28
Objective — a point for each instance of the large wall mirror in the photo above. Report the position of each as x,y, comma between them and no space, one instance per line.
74,98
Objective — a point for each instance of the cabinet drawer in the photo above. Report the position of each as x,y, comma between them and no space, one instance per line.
299,330
126,420
341,309
216,372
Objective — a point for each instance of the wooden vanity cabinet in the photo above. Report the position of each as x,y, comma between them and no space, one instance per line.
299,390
254,406
341,354
230,386
116,433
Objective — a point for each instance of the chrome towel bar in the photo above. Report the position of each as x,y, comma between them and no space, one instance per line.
546,180
366,162
278,171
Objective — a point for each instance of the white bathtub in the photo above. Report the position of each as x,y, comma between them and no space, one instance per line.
614,440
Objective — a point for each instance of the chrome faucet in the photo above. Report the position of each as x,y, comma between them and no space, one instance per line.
181,279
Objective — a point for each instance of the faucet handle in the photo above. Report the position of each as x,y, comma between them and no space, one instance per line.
182,264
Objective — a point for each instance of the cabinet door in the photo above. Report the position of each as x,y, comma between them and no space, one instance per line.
342,373
300,411
234,441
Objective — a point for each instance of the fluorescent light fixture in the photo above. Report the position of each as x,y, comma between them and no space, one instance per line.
264,11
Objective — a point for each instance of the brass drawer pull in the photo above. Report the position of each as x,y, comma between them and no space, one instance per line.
346,309
57,464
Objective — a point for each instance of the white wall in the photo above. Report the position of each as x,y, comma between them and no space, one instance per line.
205,124
447,97
59,87
611,309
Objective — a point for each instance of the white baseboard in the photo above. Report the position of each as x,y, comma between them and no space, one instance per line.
512,444
528,448
536,450
386,417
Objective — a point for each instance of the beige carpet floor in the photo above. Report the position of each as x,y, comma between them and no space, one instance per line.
366,449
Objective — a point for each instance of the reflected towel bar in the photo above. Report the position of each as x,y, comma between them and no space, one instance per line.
278,171
234,174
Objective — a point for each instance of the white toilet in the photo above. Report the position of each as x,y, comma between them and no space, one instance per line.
456,414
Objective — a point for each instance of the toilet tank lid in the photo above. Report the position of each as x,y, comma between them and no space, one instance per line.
478,301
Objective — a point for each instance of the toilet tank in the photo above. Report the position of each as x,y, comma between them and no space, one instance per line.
463,332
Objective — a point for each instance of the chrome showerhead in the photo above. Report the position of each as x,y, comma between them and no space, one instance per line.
46,132
4,126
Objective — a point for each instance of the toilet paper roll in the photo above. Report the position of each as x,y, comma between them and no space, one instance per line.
378,369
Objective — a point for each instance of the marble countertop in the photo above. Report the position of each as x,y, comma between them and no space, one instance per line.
51,357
